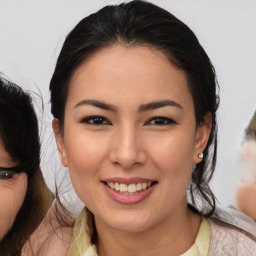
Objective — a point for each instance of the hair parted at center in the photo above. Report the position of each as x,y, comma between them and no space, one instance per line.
140,23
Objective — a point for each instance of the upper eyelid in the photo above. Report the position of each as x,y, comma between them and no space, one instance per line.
8,170
163,117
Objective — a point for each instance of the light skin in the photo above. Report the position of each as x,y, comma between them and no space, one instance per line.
13,187
49,239
145,128
248,157
246,192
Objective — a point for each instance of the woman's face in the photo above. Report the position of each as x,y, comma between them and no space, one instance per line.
13,187
130,138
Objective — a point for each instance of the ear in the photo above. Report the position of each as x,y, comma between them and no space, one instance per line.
59,142
202,136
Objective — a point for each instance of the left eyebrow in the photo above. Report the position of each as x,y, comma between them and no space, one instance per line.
159,104
96,103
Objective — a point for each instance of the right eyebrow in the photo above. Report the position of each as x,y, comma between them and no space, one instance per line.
96,103
159,104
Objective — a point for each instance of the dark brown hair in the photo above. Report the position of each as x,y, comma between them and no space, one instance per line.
250,131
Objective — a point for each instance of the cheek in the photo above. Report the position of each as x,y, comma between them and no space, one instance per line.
173,153
12,194
174,160
85,156
84,153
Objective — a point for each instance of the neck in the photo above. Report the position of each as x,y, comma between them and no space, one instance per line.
172,237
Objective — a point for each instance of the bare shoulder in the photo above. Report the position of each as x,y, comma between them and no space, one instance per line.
50,238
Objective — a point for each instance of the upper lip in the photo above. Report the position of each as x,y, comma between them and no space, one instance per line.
132,180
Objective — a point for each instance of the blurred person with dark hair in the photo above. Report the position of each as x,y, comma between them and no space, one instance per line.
24,196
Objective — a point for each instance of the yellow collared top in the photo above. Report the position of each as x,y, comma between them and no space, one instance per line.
201,245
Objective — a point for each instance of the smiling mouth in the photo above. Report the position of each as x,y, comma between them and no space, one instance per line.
129,189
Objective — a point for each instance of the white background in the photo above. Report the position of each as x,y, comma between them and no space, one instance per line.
32,33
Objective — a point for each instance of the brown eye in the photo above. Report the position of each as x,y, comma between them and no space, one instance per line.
95,120
6,174
160,121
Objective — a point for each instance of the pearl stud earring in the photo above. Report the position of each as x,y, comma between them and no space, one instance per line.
201,155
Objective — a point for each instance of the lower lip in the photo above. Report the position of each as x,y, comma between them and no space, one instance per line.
129,199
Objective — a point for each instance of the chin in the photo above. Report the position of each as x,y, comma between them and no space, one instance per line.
128,222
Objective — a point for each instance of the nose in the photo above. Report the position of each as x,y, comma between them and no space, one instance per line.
127,150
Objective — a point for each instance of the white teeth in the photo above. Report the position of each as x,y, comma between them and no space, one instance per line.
112,185
139,187
117,186
131,188
123,187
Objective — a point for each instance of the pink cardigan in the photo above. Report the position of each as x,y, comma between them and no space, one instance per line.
232,234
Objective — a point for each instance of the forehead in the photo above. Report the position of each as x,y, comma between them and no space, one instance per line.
119,72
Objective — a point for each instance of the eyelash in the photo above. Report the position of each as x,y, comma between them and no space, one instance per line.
6,174
100,120
161,121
